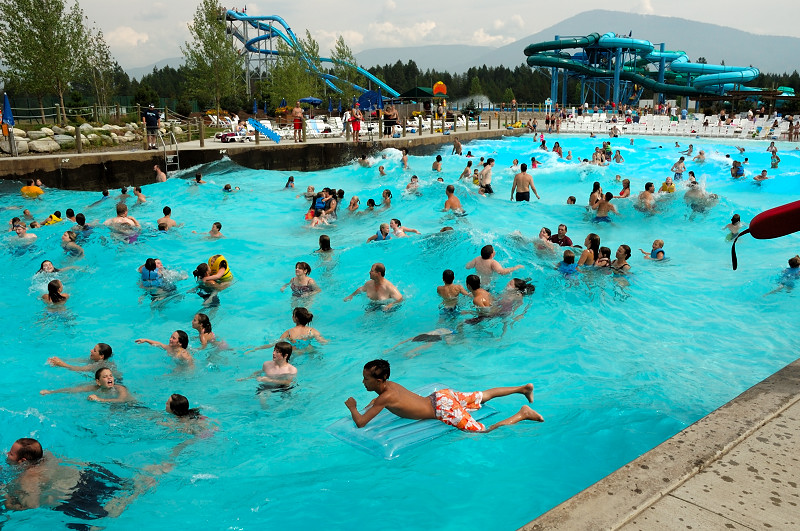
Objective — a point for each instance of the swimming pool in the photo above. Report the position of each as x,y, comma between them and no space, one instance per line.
619,363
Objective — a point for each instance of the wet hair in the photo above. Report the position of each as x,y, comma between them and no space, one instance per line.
105,193
448,276
446,229
201,271
438,158
569,257
325,243
735,218
340,194
167,211
626,183
52,290
794,261
595,186
105,351
450,189
57,213
486,252
370,202
660,243
609,196
379,369
604,252
473,282
304,266
284,348
41,267
70,213
80,219
99,372
15,220
302,316
179,405
649,185
386,193
30,182
162,226
547,231
29,449
523,167
72,236
124,190
122,208
183,338
523,285
290,180
469,163
627,249
380,268
205,322
198,177
397,222
137,189
217,224
227,187
489,161
571,200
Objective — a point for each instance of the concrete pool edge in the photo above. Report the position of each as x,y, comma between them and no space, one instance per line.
624,494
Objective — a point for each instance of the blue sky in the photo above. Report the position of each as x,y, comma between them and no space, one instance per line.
141,33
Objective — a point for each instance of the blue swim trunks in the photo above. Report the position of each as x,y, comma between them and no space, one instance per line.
601,219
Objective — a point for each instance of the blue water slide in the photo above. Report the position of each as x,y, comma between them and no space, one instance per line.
264,130
711,75
610,40
262,24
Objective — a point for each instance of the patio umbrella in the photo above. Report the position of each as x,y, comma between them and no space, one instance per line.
340,105
255,107
380,99
283,102
330,106
265,106
310,100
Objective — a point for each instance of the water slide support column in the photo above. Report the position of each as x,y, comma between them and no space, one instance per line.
564,89
661,68
554,80
617,67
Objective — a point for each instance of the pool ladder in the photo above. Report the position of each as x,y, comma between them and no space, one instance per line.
172,161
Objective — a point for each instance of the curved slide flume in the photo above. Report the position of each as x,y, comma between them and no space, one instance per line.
261,23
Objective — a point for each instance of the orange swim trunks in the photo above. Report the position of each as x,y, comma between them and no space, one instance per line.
452,407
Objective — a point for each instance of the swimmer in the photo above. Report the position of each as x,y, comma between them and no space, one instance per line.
301,284
469,154
324,244
789,276
161,177
677,169
437,164
596,195
567,266
569,155
657,253
98,357
176,347
122,222
485,264
355,202
456,147
480,297
620,262
399,230
486,176
413,184
647,201
364,162
465,175
218,270
590,253
734,227
382,171
688,151
618,157
140,198
228,188
54,295
451,407
106,390
667,187
626,189
523,184
404,158
561,237
427,339
761,176
202,324
68,240
543,242
604,208
318,219
308,194
382,234
378,289
302,331
22,232
774,161
700,157
215,232
151,272
571,200
449,291
277,371
604,257
452,202
198,179
386,199
53,218
167,219
30,190
290,182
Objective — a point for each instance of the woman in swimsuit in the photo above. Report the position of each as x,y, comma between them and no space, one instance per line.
620,263
301,283
596,195
618,157
626,188
592,251
301,331
176,347
354,203
54,295
387,198
202,324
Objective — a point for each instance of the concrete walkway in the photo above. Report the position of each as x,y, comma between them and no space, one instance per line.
736,468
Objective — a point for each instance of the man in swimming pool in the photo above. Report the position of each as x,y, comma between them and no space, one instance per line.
604,207
449,292
161,177
452,202
167,219
561,237
449,406
377,288
122,222
523,183
647,200
485,264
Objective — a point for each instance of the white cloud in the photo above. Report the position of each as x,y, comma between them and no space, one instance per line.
498,24
646,7
386,33
327,39
517,21
480,37
390,5
126,36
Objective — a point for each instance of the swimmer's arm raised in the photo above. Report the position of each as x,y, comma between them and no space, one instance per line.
55,361
497,268
358,418
264,347
151,342
76,389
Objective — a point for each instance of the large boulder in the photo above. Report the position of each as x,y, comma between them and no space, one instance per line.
65,141
45,145
177,130
70,129
22,145
37,135
20,133
58,130
47,131
86,128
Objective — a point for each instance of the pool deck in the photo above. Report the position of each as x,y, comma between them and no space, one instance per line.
736,468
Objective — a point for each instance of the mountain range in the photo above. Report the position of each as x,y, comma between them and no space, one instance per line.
768,53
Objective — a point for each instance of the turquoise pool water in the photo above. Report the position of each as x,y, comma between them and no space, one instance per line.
619,363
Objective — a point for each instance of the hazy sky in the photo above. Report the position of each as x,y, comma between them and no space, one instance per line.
143,32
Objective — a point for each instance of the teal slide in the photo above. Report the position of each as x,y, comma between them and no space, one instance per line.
266,131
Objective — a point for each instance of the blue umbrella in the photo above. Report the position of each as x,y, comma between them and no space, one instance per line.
330,106
340,105
255,107
354,101
265,106
8,117
283,102
310,100
380,99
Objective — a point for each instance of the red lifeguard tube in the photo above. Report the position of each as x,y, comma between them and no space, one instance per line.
772,223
